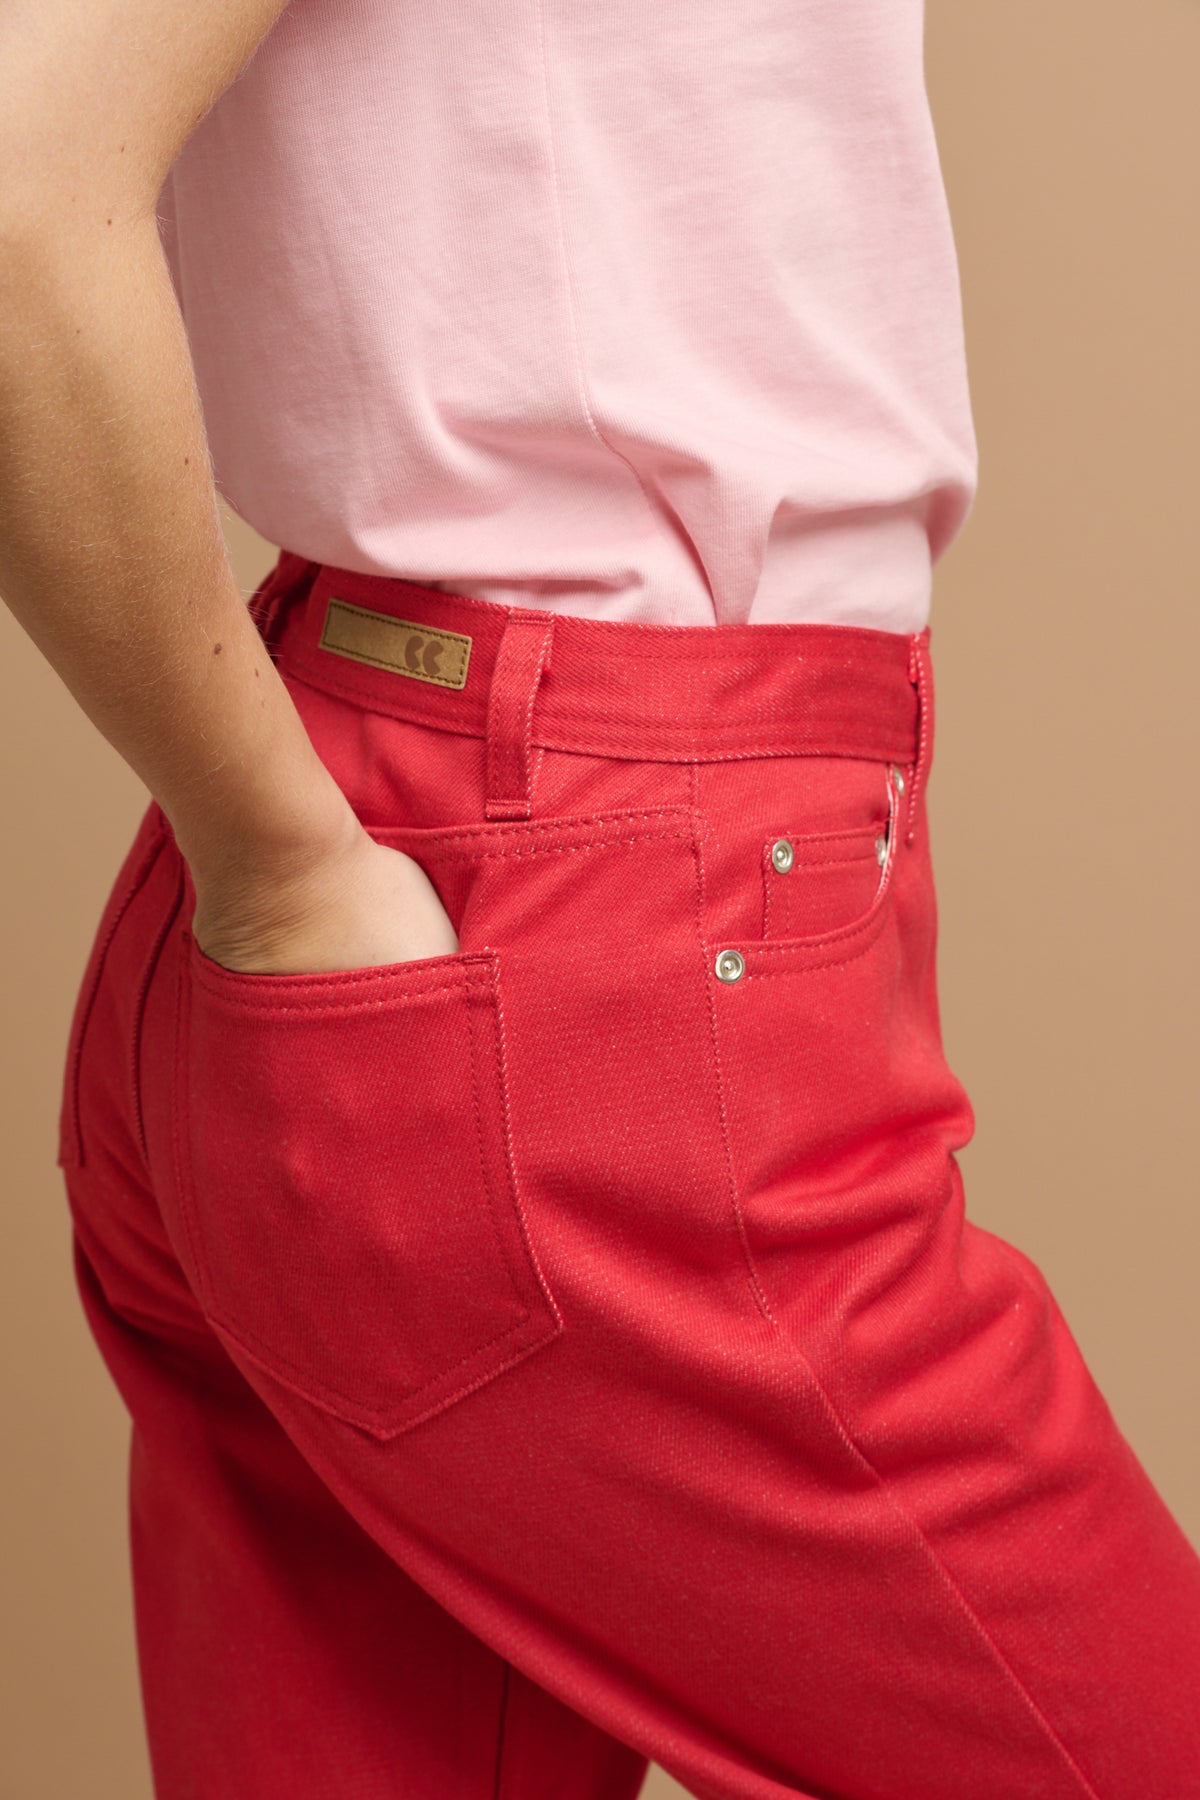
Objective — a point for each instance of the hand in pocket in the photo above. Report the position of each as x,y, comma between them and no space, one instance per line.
366,906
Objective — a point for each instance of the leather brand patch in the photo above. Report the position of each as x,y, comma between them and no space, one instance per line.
398,644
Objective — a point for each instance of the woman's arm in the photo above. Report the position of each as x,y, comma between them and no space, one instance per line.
111,551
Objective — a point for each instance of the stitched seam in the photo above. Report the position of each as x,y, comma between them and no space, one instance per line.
558,822
485,1183
537,753
782,944
719,1084
255,1000
489,1374
825,862
529,761
860,837
499,752
782,710
960,1598
604,843
694,789
511,1154
393,1421
919,675
760,750
856,832
798,947
274,1360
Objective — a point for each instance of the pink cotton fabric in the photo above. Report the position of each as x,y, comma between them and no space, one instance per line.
634,312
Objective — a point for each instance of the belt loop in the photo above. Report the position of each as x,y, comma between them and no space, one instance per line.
290,577
523,655
920,672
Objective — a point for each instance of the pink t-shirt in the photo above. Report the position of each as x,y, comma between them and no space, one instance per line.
640,311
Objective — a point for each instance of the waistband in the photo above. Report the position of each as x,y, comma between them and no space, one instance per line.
524,678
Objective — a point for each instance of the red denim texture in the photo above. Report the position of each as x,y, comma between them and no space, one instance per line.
551,1355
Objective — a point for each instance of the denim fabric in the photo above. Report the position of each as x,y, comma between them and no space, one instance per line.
573,1350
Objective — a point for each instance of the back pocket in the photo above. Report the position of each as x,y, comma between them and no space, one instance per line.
345,1185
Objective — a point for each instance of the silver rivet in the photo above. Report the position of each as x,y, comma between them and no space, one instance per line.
731,965
782,855
881,849
898,778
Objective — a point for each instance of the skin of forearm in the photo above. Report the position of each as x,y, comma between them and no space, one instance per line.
112,556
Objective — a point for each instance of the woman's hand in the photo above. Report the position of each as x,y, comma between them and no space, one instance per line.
361,906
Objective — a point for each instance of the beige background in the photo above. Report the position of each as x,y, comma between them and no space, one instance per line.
1062,806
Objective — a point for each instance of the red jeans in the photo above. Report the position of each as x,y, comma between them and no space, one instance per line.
571,1350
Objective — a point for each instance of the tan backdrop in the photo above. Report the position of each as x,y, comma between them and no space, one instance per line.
1066,648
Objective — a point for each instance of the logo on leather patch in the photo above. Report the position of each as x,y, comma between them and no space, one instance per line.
398,644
